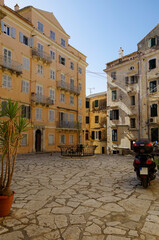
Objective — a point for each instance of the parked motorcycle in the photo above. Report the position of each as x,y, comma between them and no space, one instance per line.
144,164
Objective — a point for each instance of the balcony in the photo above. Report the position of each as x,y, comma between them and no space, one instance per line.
68,125
40,99
68,87
40,55
11,65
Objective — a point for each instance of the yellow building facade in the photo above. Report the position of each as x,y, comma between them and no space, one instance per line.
133,95
96,121
45,74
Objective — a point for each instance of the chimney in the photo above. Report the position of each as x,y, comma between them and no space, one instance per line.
16,8
1,2
121,52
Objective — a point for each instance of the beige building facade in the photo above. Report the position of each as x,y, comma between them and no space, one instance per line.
133,95
96,121
45,74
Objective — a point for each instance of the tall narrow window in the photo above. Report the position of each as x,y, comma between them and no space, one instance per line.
25,86
152,63
52,35
114,95
40,26
153,109
63,42
153,86
132,123
132,98
114,135
6,81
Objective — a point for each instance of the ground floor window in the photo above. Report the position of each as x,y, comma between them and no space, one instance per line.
62,139
51,139
71,139
154,134
24,139
114,135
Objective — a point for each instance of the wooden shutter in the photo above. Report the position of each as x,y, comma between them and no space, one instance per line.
2,26
31,42
13,33
21,37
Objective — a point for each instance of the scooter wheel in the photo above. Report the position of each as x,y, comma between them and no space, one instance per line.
145,182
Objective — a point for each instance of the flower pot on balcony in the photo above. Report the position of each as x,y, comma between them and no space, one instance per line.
5,204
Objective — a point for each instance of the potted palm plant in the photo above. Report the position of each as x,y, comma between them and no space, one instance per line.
11,127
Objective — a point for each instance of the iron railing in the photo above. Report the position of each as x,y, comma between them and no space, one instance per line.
68,87
43,55
42,99
78,150
10,64
68,124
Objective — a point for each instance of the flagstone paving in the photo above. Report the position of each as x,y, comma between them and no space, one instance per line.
80,199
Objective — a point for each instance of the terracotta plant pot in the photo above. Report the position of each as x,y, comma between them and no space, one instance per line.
5,204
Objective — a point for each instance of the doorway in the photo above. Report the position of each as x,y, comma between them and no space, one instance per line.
103,150
38,141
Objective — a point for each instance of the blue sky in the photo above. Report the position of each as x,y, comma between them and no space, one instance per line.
98,28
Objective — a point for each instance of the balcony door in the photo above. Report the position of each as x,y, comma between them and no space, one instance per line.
7,57
39,93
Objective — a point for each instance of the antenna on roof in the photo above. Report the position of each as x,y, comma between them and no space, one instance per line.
90,89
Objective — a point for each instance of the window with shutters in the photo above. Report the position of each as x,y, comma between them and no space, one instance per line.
38,114
51,139
6,81
80,118
114,135
71,65
80,102
153,86
113,75
71,84
79,70
62,60
96,119
71,139
87,119
152,42
3,106
114,114
52,74
8,30
132,122
39,69
52,54
51,115
63,43
80,86
40,48
62,139
26,40
26,63
153,110
26,111
126,80
114,95
62,97
40,26
25,86
132,99
52,94
152,63
39,90
7,57
72,100
133,79
52,35
24,140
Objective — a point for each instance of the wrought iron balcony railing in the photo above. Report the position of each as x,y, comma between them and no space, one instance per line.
10,64
42,99
68,124
68,87
40,54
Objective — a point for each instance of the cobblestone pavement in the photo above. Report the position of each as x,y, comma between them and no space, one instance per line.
80,199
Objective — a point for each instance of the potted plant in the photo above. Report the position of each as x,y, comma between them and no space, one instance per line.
11,127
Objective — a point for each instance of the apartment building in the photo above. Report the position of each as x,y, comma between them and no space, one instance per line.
96,121
45,74
133,95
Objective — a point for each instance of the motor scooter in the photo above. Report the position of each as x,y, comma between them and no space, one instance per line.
144,164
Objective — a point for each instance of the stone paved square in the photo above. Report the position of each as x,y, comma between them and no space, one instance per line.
80,199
